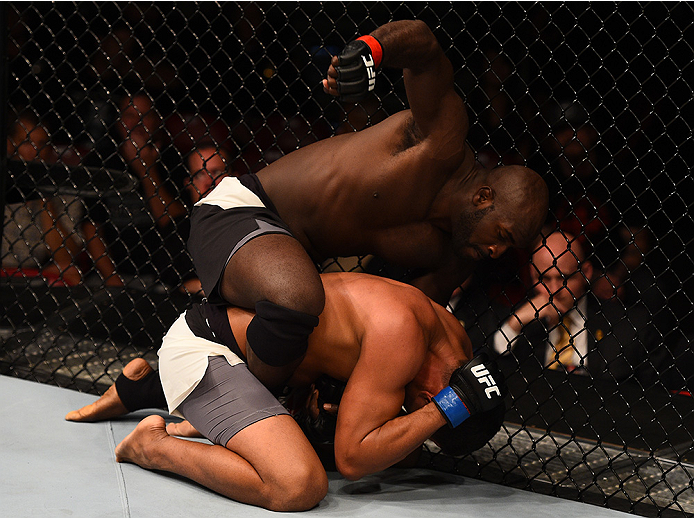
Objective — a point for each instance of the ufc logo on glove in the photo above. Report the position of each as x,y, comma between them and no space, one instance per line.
463,397
356,71
483,377
370,70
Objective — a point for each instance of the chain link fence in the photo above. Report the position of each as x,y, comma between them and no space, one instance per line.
106,107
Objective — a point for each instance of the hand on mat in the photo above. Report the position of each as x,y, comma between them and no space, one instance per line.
182,429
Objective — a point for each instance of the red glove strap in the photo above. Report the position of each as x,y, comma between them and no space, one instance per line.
375,46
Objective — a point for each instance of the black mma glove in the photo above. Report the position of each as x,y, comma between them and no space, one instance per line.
478,386
356,71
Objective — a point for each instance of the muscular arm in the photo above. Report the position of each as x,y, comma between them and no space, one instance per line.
143,158
437,108
370,435
439,284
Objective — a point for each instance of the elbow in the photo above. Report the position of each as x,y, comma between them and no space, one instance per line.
417,33
425,36
350,468
351,473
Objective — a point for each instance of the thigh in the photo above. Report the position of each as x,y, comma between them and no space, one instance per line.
277,449
227,400
243,416
276,268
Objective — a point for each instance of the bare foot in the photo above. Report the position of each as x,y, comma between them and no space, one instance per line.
139,445
182,429
110,405
106,407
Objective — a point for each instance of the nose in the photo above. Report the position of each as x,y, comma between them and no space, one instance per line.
553,285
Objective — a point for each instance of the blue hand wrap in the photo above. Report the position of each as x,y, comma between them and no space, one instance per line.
451,406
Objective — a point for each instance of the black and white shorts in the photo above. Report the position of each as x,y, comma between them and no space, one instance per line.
235,212
210,386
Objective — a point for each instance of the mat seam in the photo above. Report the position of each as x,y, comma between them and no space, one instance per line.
119,473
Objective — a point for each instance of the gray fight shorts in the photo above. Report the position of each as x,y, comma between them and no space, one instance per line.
227,400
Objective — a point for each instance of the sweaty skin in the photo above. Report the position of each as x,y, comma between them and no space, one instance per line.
385,199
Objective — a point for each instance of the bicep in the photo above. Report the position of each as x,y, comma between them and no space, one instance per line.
375,391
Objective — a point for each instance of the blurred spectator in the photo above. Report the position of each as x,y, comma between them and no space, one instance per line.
502,118
480,314
137,222
123,60
565,327
638,278
49,234
570,154
266,138
586,191
207,165
141,142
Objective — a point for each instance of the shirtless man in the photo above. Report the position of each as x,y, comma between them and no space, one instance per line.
407,189
389,342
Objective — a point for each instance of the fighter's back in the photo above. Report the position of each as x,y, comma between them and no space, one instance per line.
388,318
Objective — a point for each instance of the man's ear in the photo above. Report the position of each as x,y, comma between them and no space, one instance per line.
484,197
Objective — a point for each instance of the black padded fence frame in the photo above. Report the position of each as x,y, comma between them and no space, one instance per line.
594,96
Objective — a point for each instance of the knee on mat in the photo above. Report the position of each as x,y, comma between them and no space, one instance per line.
302,491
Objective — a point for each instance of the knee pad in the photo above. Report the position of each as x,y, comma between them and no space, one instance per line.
143,393
279,335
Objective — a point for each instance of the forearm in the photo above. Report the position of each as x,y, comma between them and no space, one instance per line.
440,284
513,326
388,444
406,44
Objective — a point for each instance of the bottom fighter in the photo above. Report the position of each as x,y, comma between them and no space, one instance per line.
392,345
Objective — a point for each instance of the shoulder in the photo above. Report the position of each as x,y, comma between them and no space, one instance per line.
388,307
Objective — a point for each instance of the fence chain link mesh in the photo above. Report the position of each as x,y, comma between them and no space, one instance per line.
107,104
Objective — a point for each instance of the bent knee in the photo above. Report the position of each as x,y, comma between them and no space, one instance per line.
304,297
301,491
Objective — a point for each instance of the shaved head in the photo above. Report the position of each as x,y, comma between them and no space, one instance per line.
523,194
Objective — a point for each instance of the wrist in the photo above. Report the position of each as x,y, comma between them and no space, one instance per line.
376,48
451,406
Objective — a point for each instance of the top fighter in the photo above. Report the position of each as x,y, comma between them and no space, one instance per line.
407,189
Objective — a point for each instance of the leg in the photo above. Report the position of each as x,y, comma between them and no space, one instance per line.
266,460
62,247
273,274
99,254
273,267
269,463
110,404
